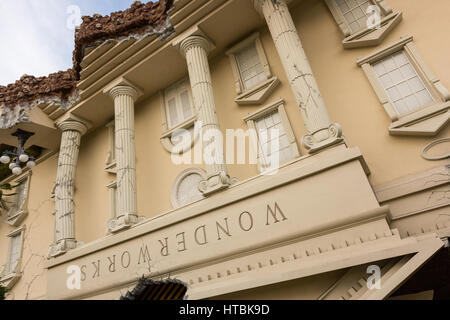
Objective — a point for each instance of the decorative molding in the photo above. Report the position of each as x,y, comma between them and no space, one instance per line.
8,278
278,106
22,208
122,86
179,179
71,122
373,37
260,92
431,145
427,120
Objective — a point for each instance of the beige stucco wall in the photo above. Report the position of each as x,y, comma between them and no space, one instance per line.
38,234
350,100
348,94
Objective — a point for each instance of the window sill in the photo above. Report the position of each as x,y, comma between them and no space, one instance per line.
111,167
8,281
372,37
166,141
17,218
259,93
425,122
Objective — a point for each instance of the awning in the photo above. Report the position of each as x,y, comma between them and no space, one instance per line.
147,289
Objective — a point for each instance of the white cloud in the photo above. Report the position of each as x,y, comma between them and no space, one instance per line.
35,38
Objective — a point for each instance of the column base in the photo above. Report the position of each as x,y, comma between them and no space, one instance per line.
323,138
123,222
215,183
62,247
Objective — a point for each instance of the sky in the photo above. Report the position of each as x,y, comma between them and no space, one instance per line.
37,36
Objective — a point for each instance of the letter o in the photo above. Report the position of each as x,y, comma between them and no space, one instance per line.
122,259
251,221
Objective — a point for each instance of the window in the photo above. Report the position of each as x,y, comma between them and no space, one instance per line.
264,121
118,221
178,102
359,19
179,115
355,13
250,67
16,200
111,157
11,271
253,78
413,97
186,187
401,82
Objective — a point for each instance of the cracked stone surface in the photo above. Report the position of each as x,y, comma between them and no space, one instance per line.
139,21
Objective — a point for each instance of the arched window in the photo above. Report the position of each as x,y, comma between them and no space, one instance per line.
185,189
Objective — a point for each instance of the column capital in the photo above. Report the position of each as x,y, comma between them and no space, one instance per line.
194,37
71,122
258,4
123,87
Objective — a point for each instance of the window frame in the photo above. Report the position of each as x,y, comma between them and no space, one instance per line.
111,163
22,208
167,132
259,92
8,278
362,38
278,106
112,187
438,92
179,179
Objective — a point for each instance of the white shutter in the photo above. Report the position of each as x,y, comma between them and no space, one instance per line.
250,67
284,150
178,103
403,85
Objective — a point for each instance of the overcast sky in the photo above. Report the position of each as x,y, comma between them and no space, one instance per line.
37,36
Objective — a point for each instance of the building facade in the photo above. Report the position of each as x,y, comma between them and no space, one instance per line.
358,207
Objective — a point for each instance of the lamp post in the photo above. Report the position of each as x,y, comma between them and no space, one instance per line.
18,155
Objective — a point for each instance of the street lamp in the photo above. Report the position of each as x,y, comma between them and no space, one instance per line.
18,156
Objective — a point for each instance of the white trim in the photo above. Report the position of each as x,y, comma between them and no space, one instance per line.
405,124
279,106
179,180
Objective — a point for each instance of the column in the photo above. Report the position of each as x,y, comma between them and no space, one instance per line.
72,129
321,131
195,48
124,95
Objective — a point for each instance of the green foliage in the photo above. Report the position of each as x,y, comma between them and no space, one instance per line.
3,292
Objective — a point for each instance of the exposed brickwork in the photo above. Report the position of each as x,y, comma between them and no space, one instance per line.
93,30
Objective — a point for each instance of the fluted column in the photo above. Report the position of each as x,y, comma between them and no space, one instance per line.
124,94
195,48
321,131
72,130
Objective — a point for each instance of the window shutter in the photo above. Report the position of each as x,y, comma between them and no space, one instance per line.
250,67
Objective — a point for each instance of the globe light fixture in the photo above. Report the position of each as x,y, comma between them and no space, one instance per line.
18,155
5,159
